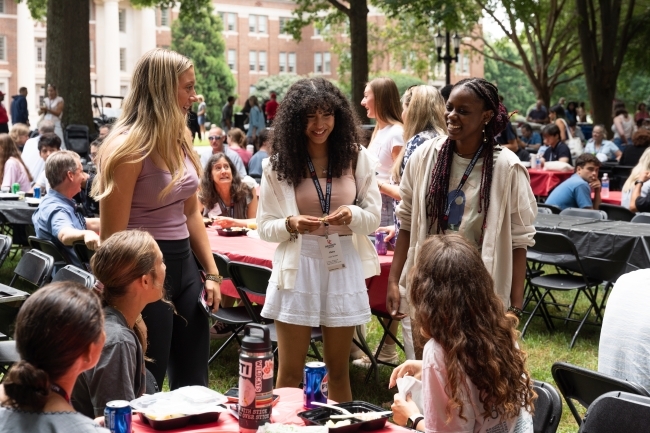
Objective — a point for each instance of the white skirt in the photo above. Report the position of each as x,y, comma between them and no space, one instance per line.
321,297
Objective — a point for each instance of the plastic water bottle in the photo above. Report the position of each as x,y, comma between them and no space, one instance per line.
604,186
255,378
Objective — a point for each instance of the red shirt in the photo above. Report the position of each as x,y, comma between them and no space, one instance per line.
271,108
3,115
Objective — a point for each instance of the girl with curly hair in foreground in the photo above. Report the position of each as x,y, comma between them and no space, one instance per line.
474,377
318,189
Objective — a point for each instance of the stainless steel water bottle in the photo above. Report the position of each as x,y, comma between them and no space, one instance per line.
255,378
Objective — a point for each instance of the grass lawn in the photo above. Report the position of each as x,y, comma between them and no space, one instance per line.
542,347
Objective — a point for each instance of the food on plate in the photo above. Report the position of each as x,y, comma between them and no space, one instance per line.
367,416
164,417
337,424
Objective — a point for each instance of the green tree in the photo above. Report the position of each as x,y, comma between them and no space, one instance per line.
606,31
336,12
514,86
539,31
197,35
275,83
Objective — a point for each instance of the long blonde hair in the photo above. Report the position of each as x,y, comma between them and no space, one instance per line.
153,120
425,112
642,165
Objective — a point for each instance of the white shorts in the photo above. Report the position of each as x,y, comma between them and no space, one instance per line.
321,297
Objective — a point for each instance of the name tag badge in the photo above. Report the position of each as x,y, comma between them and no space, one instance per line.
330,249
456,210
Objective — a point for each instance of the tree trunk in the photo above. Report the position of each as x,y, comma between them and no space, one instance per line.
68,58
359,53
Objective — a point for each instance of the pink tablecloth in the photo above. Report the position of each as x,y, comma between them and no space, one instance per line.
259,252
542,182
285,411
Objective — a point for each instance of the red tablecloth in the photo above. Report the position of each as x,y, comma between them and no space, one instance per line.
259,252
614,198
542,182
285,411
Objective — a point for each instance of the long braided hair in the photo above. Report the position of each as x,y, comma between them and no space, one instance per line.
436,200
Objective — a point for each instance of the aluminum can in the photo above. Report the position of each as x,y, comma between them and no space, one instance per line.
37,192
314,384
380,245
255,378
117,416
15,188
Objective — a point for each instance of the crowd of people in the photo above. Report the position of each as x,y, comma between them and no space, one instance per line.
442,175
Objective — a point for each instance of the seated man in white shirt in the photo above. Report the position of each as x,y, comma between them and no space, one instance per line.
47,145
624,349
35,164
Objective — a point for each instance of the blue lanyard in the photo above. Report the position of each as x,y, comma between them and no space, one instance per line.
324,200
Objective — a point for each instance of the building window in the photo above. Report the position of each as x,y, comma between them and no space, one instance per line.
283,62
122,20
257,24
232,58
462,65
124,90
164,17
2,6
252,60
40,49
262,61
3,47
283,25
123,59
318,63
251,90
327,59
319,31
91,53
292,63
231,20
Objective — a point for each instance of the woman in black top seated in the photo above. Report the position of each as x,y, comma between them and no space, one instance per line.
59,334
130,267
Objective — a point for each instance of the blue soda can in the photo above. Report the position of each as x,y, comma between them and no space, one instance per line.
37,192
314,384
117,416
380,245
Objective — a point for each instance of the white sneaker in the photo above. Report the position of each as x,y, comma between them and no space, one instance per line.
365,362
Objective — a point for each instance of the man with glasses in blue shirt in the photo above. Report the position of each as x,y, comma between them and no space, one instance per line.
57,218
217,137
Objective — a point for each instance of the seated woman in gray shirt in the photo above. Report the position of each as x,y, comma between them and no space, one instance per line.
130,267
59,334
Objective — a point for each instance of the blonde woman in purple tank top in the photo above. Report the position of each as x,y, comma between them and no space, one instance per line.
148,179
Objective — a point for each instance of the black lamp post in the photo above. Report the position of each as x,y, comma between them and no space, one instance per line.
441,40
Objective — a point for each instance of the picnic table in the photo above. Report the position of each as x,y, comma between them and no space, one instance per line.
542,182
17,211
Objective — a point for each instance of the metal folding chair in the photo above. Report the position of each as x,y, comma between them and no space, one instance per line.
73,273
61,257
642,217
616,213
617,411
585,386
586,213
548,408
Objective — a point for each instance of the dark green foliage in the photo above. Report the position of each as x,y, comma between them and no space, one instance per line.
198,36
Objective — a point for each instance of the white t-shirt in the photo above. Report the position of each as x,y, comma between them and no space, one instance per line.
32,158
42,181
52,104
434,381
382,147
626,196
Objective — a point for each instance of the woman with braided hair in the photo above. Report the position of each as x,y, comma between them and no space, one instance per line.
466,183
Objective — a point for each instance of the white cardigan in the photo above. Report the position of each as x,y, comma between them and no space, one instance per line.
510,218
278,201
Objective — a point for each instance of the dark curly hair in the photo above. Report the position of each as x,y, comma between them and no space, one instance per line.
289,141
452,293
436,201
208,195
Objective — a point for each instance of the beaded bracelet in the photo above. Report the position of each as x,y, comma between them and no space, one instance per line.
292,232
516,311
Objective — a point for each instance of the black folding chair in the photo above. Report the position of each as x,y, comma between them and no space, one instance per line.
61,256
238,315
8,356
586,213
83,253
77,139
617,411
73,273
548,408
254,280
616,213
642,218
554,248
620,173
585,386
5,247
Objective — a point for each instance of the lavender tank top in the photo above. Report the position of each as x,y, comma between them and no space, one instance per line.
163,219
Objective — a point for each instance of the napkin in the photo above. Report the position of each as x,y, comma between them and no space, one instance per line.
410,385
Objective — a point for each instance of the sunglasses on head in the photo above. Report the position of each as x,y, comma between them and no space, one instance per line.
215,137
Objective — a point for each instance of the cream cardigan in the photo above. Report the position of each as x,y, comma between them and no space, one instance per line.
278,201
510,218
